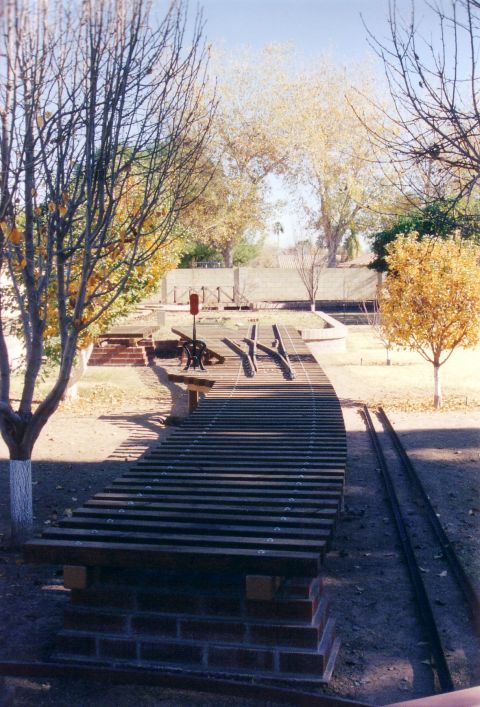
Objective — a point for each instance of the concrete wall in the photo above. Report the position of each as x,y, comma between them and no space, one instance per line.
332,337
269,284
176,283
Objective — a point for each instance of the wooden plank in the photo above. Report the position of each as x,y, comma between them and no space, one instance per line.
112,509
125,554
153,525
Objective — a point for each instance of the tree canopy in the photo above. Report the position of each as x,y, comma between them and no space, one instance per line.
438,219
331,152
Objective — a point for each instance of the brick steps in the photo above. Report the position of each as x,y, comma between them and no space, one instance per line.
201,623
121,354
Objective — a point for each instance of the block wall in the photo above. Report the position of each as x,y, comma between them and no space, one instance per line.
270,284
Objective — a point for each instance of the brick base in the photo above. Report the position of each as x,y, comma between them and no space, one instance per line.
201,622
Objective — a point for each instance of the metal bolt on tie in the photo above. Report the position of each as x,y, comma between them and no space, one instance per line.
109,520
277,530
261,552
121,510
269,540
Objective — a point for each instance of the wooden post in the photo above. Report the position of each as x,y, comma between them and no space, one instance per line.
192,399
262,587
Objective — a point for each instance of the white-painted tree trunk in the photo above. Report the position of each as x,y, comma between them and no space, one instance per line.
437,398
71,392
21,508
312,306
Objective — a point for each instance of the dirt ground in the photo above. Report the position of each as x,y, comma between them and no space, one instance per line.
121,413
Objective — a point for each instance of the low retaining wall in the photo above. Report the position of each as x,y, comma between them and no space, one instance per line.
331,338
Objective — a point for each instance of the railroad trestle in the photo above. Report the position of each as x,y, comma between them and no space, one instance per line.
206,555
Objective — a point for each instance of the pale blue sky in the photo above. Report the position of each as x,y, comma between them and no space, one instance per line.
313,26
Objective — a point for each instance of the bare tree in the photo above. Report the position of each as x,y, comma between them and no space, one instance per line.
102,119
374,320
434,84
310,260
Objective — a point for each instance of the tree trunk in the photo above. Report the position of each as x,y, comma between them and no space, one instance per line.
312,306
332,247
21,508
332,258
78,372
227,253
389,360
437,398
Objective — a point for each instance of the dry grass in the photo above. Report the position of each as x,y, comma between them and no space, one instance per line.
361,374
101,390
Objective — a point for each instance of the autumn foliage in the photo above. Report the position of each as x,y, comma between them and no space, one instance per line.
430,302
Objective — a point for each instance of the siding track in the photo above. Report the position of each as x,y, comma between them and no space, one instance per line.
445,599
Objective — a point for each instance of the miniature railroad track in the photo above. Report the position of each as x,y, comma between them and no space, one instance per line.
405,491
253,479
243,496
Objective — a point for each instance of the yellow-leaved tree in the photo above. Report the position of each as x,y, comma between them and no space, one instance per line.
430,301
332,153
143,279
248,142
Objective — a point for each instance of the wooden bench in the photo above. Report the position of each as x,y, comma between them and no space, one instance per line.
195,385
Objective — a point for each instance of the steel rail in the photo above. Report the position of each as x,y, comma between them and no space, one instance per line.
281,346
253,349
463,581
284,362
248,364
181,680
423,602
